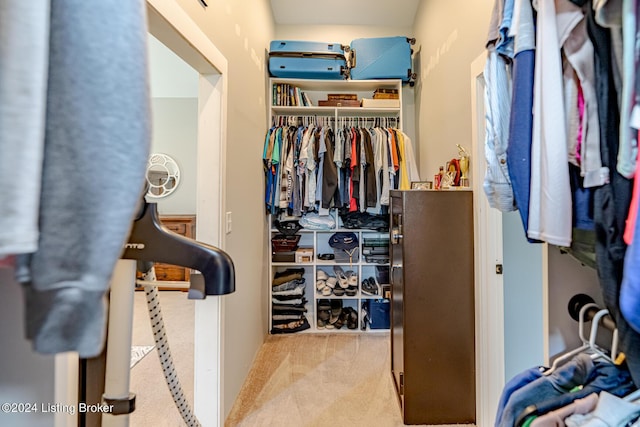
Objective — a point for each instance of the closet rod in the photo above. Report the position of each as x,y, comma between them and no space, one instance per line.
580,300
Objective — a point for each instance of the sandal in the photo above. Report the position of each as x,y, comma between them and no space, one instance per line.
321,275
352,278
336,310
338,291
352,318
342,277
331,282
324,305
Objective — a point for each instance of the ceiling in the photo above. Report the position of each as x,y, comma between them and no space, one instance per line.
396,13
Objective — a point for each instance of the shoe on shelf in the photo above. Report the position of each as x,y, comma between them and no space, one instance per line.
352,291
352,278
324,315
338,291
320,284
321,324
343,282
351,318
336,310
331,282
369,287
324,304
321,275
375,284
326,291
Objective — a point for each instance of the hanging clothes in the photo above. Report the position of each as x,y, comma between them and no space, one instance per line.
66,133
313,168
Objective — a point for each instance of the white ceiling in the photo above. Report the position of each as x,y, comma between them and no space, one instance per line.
396,13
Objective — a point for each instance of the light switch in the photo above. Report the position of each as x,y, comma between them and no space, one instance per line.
229,222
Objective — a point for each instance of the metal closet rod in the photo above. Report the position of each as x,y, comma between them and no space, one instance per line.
315,119
579,301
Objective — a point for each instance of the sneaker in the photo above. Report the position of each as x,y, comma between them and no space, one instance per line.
343,282
369,287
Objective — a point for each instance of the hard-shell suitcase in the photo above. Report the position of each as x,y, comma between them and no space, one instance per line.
382,58
307,60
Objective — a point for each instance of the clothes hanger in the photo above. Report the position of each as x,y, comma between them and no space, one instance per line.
585,343
597,351
152,242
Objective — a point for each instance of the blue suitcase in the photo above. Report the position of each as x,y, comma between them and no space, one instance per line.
382,58
307,60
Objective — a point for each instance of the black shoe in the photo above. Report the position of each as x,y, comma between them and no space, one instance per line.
369,287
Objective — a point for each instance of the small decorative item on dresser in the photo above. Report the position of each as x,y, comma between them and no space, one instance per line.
422,185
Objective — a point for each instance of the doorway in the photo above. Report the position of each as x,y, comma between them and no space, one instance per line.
511,280
170,24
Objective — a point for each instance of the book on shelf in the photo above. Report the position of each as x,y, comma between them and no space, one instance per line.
380,103
386,96
286,95
307,100
339,96
383,90
339,103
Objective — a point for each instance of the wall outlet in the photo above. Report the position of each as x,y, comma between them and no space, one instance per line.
228,223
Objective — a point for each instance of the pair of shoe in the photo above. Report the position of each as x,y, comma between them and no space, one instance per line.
324,313
351,317
346,279
370,286
325,283
334,313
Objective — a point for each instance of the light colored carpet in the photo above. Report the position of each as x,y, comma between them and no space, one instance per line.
154,404
319,380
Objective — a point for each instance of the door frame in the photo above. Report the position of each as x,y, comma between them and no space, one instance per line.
170,24
489,299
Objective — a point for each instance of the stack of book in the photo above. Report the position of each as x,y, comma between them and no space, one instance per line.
383,98
340,100
286,95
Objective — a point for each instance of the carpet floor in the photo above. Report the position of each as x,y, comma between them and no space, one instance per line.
319,380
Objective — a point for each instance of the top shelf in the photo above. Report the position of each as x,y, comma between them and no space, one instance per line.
340,85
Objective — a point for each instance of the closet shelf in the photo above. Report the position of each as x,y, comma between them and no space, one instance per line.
340,85
310,92
341,111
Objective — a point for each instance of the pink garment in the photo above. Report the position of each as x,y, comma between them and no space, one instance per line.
556,418
353,205
7,262
580,123
633,209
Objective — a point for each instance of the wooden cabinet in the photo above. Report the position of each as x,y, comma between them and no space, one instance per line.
432,309
184,225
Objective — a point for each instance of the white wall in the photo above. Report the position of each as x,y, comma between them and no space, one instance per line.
450,35
242,30
174,108
523,298
170,76
175,133
25,376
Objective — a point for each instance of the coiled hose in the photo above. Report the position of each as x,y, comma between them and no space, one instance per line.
164,353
